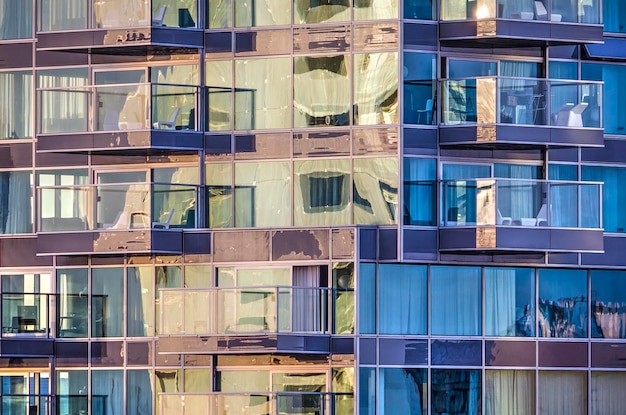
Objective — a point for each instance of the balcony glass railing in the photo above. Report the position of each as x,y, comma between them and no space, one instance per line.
123,107
272,403
58,15
116,206
522,101
585,12
25,404
240,310
518,202
25,315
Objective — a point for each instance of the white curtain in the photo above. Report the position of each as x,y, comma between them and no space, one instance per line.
15,202
607,393
138,393
16,104
510,392
107,391
500,302
16,17
307,305
456,301
563,393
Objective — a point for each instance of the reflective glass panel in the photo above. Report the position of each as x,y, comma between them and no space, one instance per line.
107,392
219,82
260,13
614,16
107,302
138,392
402,299
419,9
220,195
375,9
402,391
16,100
420,191
219,14
613,195
57,15
120,13
509,392
72,392
322,192
456,392
375,191
16,193
72,304
262,194
562,392
321,95
367,298
608,304
262,98
607,392
510,302
343,282
140,303
315,11
16,19
419,88
613,102
455,301
562,308
375,88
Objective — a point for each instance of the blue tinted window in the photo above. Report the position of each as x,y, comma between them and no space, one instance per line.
613,195
614,100
563,70
420,191
562,308
456,392
419,9
402,391
402,299
466,69
419,88
509,302
614,16
367,298
608,304
367,391
455,301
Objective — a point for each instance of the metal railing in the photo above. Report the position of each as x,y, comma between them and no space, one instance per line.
270,403
120,107
26,315
116,206
520,202
245,310
554,11
522,101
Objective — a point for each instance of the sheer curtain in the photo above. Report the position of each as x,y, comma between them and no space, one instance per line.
16,19
564,198
607,393
107,392
500,302
16,104
307,302
510,392
563,393
138,392
402,295
420,190
613,198
456,301
15,202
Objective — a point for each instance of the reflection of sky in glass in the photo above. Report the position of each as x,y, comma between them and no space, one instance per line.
562,303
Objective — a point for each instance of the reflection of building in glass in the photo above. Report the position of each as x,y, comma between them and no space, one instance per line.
312,207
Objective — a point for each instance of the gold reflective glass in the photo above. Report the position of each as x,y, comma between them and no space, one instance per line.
376,191
376,88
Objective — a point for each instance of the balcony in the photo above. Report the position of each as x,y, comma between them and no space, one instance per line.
260,318
124,117
519,23
114,218
26,324
520,215
274,403
140,26
501,111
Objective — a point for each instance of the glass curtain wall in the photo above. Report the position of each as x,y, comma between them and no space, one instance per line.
420,191
402,299
613,101
16,20
613,196
608,304
455,307
16,103
562,308
58,15
16,200
72,303
62,105
107,302
420,100
509,302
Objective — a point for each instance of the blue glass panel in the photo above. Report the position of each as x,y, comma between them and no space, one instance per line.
509,302
419,72
456,301
613,195
563,70
402,391
608,304
614,101
402,299
366,286
456,392
367,391
562,308
420,191
419,9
